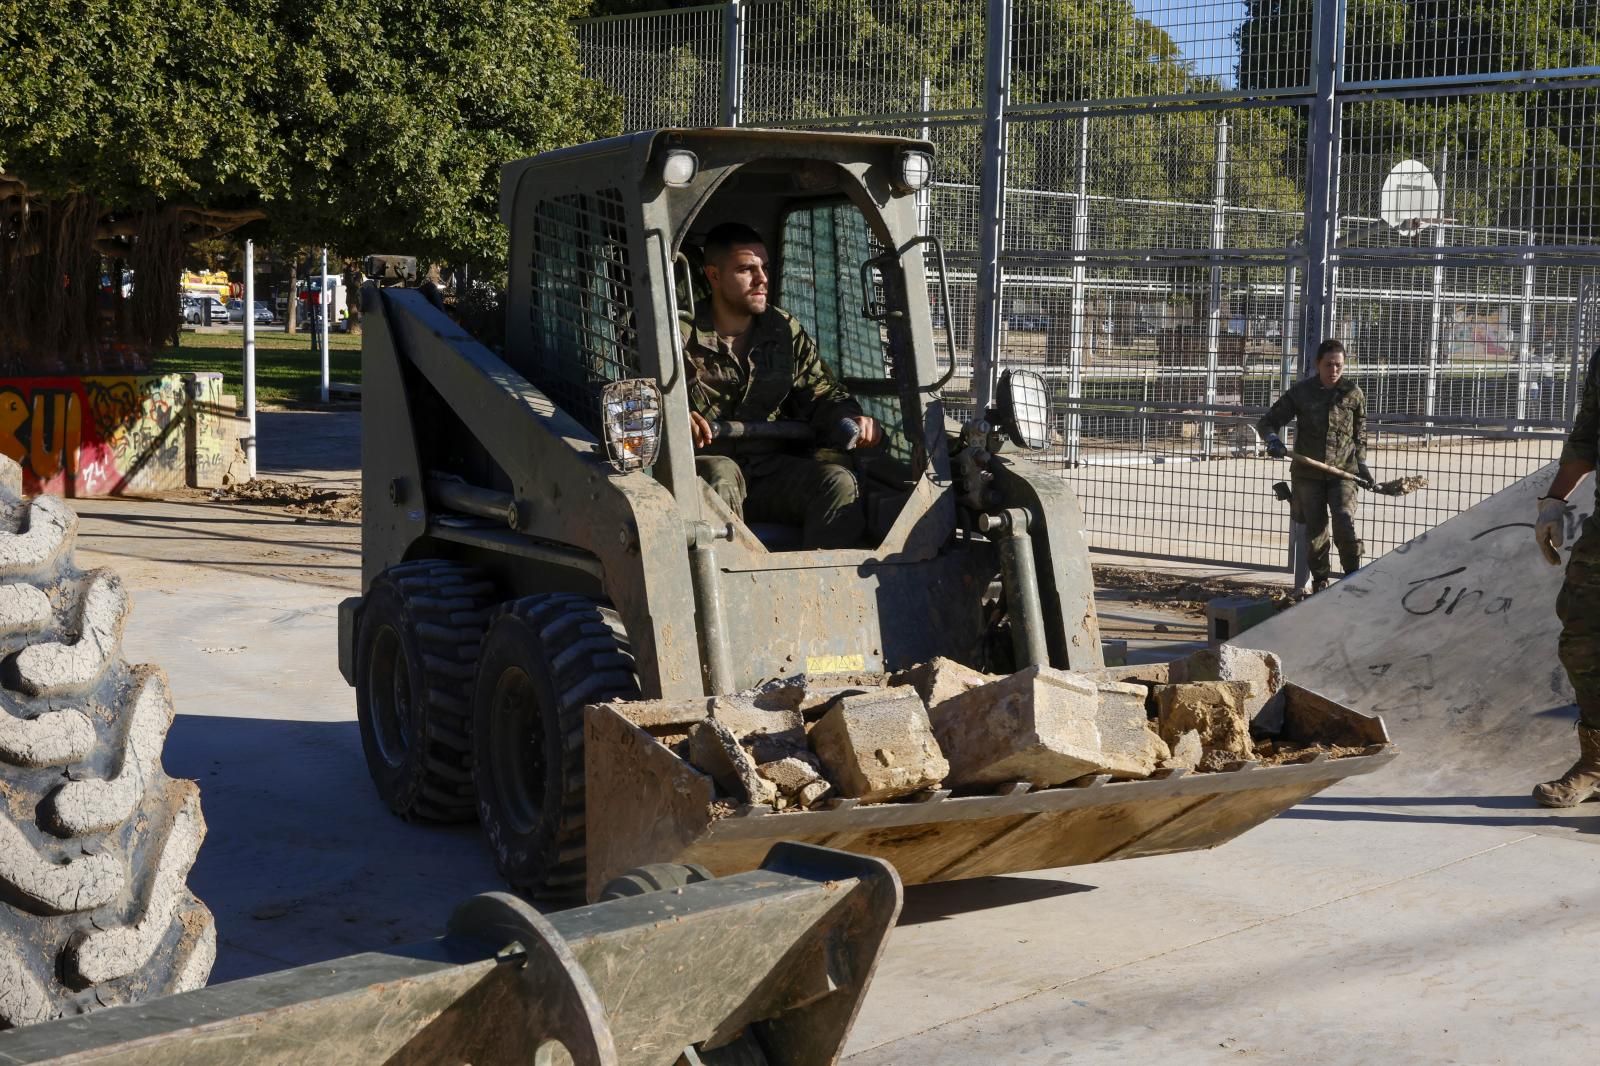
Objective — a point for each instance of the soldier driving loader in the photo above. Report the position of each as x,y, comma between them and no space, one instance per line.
750,361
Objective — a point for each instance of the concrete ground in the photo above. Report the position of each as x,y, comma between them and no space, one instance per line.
1385,921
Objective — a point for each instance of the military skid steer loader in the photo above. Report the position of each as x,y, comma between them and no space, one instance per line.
536,540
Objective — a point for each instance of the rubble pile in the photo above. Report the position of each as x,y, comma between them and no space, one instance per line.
800,743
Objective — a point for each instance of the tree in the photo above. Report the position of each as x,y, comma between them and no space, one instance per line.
129,128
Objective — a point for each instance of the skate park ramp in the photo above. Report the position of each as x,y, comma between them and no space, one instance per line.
1451,639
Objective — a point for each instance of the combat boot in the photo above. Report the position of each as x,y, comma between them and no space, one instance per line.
1581,781
1319,585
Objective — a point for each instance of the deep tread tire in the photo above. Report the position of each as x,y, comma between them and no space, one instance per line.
96,841
421,627
544,659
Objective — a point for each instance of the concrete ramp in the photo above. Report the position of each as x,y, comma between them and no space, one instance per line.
1451,638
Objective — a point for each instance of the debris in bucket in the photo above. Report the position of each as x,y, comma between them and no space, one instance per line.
801,742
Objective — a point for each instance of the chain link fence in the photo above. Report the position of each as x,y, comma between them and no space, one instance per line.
1196,192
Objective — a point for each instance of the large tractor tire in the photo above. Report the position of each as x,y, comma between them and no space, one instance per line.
421,625
96,841
544,659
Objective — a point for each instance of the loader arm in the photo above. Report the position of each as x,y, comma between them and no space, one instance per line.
568,501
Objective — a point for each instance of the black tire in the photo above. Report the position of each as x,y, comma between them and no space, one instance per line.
421,626
96,841
656,877
544,659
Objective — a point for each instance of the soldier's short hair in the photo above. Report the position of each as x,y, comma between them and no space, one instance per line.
726,236
1329,346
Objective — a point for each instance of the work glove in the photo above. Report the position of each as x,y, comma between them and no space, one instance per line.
846,434
1367,480
1275,446
1550,531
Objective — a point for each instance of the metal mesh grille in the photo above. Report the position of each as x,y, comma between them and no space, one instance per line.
584,330
666,65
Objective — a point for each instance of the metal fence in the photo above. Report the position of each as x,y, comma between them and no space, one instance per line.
1165,205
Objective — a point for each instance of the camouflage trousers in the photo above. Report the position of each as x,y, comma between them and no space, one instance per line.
1578,607
1319,504
818,495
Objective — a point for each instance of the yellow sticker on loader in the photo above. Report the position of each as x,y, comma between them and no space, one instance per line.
835,664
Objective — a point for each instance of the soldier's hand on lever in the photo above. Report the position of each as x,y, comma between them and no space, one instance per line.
699,429
1550,530
871,432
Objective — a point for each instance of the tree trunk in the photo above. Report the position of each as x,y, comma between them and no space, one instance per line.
292,316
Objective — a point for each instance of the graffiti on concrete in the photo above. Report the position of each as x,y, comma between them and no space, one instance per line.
95,436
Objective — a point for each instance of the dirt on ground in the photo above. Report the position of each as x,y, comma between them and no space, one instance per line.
294,498
1186,593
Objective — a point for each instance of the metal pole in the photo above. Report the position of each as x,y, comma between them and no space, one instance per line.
925,194
992,204
733,63
1080,279
1291,316
1322,174
1580,354
1219,240
327,315
1436,315
1525,349
250,355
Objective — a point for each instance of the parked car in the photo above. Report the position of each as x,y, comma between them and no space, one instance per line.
264,314
194,311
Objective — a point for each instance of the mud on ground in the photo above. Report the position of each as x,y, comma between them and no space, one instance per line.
1184,592
294,498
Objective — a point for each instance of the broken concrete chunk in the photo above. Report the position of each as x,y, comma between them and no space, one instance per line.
663,714
716,751
1142,674
1262,670
878,745
791,774
813,792
1187,752
1039,725
941,679
1215,709
1125,731
771,733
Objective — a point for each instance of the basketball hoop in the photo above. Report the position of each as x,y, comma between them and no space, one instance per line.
1410,200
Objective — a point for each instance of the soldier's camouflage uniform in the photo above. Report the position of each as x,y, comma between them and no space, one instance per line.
780,376
1329,427
1578,605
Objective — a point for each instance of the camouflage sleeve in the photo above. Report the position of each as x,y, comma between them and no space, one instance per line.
1358,426
1583,443
1278,415
815,395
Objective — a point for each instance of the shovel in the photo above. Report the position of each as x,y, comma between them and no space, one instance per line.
1403,486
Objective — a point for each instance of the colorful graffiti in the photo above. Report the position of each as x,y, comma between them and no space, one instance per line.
99,436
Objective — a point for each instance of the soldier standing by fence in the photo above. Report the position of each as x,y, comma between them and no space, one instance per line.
1330,413
1578,604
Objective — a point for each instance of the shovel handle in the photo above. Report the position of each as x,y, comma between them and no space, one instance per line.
1324,467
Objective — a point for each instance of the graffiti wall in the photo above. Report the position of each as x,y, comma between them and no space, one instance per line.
98,436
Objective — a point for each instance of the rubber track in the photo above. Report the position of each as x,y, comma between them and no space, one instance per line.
450,606
96,842
593,662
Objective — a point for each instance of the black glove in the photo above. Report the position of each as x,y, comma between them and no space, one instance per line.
1275,446
1365,475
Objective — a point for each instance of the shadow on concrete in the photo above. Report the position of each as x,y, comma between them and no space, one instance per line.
308,440
944,899
302,862
1522,811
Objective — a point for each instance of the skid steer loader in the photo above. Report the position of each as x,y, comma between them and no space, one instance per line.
536,540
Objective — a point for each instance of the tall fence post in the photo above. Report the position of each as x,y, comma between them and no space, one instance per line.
1322,175
326,307
250,354
1219,241
925,194
1430,401
733,42
992,204
1080,285
1525,349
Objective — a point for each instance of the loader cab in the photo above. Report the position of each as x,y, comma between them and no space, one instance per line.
838,237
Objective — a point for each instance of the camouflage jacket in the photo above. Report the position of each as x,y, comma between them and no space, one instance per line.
1329,423
1583,443
781,376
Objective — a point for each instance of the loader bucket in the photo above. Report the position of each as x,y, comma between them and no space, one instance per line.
645,804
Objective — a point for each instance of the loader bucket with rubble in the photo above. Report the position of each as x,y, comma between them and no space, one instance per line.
648,801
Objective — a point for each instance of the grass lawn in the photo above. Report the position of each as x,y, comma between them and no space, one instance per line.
288,370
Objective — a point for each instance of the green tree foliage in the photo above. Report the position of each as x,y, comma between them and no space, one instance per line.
130,128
